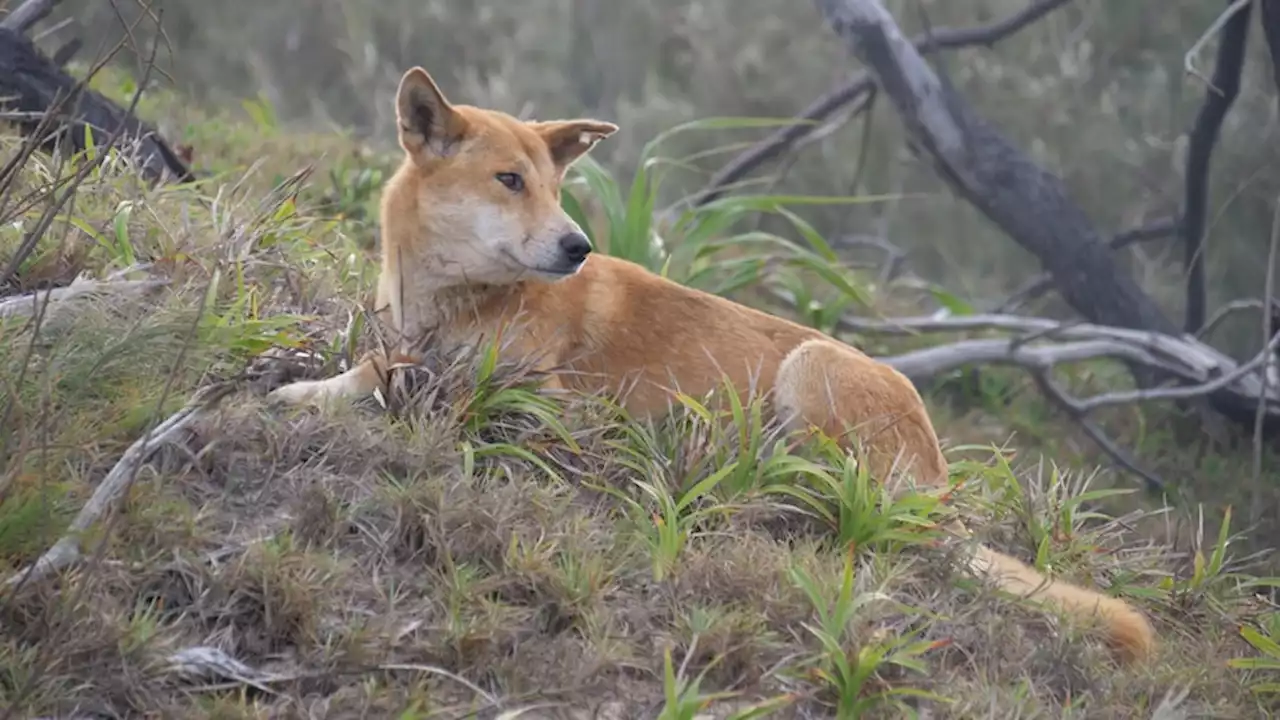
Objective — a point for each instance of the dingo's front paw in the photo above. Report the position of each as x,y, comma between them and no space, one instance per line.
298,393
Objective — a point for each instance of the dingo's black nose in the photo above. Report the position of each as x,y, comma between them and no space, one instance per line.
576,246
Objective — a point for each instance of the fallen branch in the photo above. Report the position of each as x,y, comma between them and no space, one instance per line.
66,551
857,88
1040,359
1184,357
204,662
80,289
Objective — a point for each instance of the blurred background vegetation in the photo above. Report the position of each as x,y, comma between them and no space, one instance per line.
1095,92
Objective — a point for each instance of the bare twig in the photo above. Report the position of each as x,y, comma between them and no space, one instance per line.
210,662
1226,311
1233,11
860,85
1218,98
1080,415
66,551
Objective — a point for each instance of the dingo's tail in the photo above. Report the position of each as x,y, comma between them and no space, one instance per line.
1128,632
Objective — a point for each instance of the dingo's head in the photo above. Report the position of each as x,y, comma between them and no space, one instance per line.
486,188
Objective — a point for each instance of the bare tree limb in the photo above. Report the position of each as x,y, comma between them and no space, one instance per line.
1185,357
859,86
1268,357
33,83
1031,205
921,365
1218,98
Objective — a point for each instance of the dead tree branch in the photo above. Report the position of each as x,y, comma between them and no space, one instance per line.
1031,205
1182,356
857,88
1218,98
1122,458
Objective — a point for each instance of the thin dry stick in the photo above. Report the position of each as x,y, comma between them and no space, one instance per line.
1188,63
1226,311
66,550
1078,414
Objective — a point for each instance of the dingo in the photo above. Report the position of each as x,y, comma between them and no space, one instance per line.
473,233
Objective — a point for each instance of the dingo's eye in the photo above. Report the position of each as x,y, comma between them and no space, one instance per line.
514,182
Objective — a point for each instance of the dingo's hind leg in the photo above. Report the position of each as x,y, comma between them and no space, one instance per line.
844,392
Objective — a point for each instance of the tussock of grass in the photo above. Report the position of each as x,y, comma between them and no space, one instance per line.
468,544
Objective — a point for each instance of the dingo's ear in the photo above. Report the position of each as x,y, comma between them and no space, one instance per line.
569,140
428,124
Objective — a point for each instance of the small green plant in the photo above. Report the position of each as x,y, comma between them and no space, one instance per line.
846,667
665,521
1266,640
698,245
862,513
683,699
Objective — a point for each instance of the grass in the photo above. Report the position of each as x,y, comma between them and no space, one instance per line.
468,545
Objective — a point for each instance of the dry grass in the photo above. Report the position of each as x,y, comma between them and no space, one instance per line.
472,547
